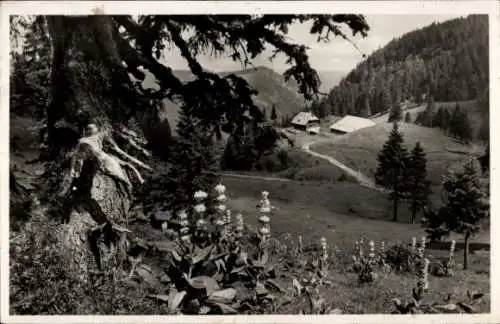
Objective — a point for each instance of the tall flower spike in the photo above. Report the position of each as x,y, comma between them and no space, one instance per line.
239,225
452,248
221,208
324,250
184,226
414,244
371,255
264,220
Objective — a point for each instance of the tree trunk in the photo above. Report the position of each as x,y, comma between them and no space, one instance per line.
395,209
413,211
466,250
89,80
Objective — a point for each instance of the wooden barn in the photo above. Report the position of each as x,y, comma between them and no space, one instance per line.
350,124
306,121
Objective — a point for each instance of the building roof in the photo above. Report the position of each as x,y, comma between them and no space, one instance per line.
351,123
304,117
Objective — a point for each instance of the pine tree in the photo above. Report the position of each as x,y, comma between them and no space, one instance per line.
391,171
438,118
366,110
467,204
408,117
418,185
455,121
429,113
274,116
465,127
396,114
192,162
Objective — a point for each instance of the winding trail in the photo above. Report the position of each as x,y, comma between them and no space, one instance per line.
361,178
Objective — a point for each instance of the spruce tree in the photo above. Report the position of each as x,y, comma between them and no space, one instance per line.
366,110
391,171
429,112
467,204
438,118
465,127
407,117
192,162
418,185
274,115
396,114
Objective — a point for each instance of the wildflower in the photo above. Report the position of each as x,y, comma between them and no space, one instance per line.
184,223
164,226
185,238
239,225
423,275
227,221
221,208
219,222
414,244
200,224
452,247
220,189
264,231
324,248
182,214
382,247
424,239
300,244
200,195
264,219
200,208
371,255
221,197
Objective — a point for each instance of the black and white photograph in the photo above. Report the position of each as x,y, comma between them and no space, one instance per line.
247,162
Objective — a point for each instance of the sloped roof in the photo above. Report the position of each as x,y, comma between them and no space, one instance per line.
351,123
304,117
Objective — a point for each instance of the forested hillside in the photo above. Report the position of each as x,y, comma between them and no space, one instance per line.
448,61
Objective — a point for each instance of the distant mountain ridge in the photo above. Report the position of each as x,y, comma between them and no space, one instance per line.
272,88
448,61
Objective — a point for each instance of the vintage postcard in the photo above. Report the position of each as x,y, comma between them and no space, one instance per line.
249,161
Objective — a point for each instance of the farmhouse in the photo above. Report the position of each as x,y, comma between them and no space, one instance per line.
350,123
306,121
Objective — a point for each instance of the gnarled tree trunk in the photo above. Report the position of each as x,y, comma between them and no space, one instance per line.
90,85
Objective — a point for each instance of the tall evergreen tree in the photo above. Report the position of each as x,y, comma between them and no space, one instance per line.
408,117
438,120
418,185
193,163
429,112
467,204
274,115
391,171
396,114
465,127
366,109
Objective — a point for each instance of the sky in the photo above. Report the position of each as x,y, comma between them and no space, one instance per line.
337,55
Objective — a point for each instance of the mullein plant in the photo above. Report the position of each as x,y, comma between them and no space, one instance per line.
416,305
220,221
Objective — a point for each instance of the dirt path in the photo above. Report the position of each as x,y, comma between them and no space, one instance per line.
361,178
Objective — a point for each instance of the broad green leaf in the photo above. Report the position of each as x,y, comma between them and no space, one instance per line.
204,310
274,285
204,282
202,254
264,257
260,289
176,256
238,269
175,299
448,307
222,296
298,287
165,246
477,296
335,311
225,309
467,308
160,297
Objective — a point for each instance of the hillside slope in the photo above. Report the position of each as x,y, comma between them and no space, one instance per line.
448,61
272,88
359,149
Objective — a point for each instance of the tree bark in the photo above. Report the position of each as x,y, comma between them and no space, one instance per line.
88,79
413,211
466,250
